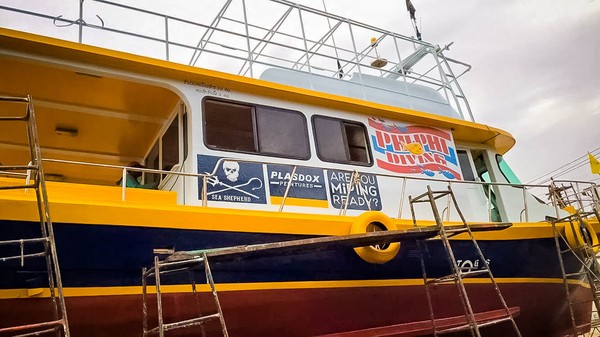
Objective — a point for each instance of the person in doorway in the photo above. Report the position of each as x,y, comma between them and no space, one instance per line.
132,178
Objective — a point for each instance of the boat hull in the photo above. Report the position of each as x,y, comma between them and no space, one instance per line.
309,294
314,311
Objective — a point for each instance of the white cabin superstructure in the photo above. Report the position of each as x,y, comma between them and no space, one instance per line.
368,101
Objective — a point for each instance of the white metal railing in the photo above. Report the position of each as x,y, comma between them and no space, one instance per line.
587,196
292,36
125,169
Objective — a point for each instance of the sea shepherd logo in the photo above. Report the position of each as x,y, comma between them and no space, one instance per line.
414,149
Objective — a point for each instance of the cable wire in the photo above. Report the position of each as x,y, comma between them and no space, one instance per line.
566,168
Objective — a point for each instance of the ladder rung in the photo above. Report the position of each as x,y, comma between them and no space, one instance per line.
42,325
16,242
191,322
576,274
440,194
468,326
436,195
184,324
475,272
181,263
21,257
453,277
19,167
568,250
14,99
447,278
17,187
21,118
568,218
455,231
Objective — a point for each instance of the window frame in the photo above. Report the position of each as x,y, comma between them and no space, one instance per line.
255,128
470,162
499,158
346,144
180,119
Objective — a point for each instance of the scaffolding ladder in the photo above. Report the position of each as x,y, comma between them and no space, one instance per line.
40,247
188,261
584,251
180,266
457,275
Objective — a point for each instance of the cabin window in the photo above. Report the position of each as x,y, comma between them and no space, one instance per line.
170,146
484,175
341,141
465,165
153,162
507,172
255,129
166,152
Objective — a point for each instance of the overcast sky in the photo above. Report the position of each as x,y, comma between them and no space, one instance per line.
536,71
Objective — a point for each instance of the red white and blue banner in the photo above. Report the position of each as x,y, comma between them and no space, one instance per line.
414,149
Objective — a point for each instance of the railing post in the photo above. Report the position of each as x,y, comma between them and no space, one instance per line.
304,39
579,197
448,204
250,58
525,204
402,197
553,198
204,192
123,183
80,21
287,189
353,180
357,58
167,36
489,199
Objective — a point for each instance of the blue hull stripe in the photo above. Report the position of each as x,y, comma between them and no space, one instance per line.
99,256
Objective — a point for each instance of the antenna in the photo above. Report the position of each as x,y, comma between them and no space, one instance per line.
411,10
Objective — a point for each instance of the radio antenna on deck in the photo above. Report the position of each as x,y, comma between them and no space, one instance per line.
411,10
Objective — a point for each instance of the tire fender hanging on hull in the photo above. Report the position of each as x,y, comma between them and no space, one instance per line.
574,233
372,221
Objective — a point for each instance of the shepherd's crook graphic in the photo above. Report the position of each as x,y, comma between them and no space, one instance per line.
214,181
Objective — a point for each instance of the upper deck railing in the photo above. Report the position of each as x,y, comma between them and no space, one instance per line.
246,38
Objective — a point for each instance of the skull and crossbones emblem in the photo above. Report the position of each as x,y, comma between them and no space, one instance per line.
231,169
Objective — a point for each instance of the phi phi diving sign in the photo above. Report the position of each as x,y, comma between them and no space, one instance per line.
414,149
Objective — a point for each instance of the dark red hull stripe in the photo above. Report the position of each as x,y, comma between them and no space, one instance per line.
541,309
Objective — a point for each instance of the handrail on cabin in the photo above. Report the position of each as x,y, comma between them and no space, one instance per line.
355,177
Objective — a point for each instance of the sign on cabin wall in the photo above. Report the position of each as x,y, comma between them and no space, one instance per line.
307,186
363,194
410,149
242,182
232,181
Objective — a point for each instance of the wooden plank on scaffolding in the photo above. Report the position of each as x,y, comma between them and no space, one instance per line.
325,242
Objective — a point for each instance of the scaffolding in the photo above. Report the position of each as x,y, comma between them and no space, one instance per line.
194,261
473,323
577,241
43,246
